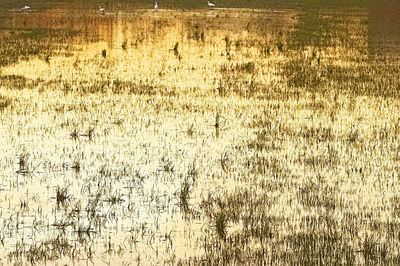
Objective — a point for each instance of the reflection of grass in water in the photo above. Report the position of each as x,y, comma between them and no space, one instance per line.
22,44
306,73
312,30
282,155
4,102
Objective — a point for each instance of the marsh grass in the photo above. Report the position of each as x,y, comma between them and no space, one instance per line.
62,196
219,138
184,196
20,44
220,225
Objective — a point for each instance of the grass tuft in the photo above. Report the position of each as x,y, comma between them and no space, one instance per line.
220,225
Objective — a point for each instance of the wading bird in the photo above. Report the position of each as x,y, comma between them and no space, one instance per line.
102,10
155,7
25,8
210,4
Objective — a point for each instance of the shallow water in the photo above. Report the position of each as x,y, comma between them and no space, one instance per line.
123,21
122,198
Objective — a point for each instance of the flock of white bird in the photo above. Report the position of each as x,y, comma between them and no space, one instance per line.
103,10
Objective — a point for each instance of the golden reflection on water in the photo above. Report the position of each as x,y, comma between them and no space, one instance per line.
148,223
115,27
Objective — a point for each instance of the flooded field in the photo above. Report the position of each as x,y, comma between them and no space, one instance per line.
199,136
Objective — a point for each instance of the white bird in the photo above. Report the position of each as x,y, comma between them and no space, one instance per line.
25,8
155,7
102,10
210,4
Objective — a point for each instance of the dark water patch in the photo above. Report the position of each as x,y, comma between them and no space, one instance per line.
384,30
4,102
115,86
372,29
311,30
318,248
316,195
368,79
13,81
22,44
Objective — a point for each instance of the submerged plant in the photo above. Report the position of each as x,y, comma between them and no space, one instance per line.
220,225
184,196
62,196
